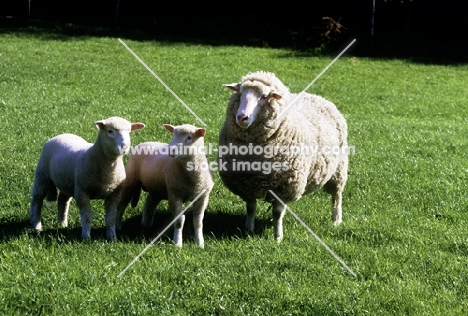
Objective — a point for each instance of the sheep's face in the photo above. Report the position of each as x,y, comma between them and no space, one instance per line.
253,98
186,140
115,135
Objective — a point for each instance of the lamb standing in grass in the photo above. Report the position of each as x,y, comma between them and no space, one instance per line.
253,119
177,172
83,171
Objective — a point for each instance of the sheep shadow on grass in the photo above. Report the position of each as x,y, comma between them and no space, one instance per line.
11,228
14,228
216,224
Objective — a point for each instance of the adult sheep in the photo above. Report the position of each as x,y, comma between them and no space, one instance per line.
268,143
177,172
83,171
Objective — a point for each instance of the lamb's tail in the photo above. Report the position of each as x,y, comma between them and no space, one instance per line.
136,195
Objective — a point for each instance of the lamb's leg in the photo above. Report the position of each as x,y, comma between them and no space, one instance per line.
151,203
176,207
198,213
250,220
38,193
125,199
278,210
35,211
63,203
86,214
110,205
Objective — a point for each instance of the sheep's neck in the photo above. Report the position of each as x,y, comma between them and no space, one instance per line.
195,166
103,165
260,132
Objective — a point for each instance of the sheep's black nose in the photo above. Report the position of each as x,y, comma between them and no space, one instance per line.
242,118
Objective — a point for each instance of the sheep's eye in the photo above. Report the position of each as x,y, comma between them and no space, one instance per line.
263,97
110,132
189,138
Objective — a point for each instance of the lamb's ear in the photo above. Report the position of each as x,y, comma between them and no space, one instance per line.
137,126
201,132
233,86
169,127
99,124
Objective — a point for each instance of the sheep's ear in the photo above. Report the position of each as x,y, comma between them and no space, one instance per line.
169,127
233,86
201,132
275,95
99,124
137,126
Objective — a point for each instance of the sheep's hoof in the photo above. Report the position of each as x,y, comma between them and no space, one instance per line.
111,236
337,222
249,225
37,227
279,239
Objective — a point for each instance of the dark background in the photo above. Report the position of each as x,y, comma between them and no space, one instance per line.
428,30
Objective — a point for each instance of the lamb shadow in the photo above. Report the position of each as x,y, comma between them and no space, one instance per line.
11,228
132,229
218,225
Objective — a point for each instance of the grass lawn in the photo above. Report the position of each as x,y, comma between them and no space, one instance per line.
405,231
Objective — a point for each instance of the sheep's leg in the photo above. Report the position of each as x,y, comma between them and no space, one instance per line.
336,200
110,205
176,208
148,210
251,210
124,201
35,211
86,214
63,203
278,210
336,192
198,213
38,193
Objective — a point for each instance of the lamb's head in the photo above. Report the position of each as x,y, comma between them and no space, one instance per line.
114,135
187,141
259,98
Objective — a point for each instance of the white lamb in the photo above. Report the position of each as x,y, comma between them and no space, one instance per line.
177,172
292,154
83,171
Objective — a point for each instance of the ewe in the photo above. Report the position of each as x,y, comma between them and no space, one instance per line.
292,154
177,172
83,171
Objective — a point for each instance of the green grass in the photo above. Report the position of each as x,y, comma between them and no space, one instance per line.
404,231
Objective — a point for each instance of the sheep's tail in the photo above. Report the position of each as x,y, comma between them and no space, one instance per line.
136,195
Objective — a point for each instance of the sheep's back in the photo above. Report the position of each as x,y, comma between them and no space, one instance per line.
60,156
323,114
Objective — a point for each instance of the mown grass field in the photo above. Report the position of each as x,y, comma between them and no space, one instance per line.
405,229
